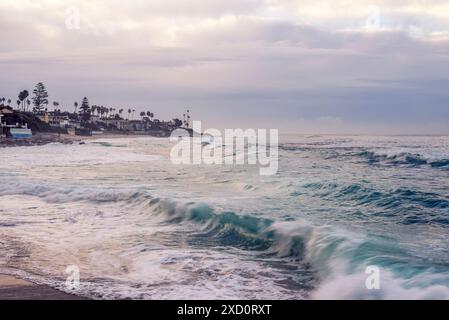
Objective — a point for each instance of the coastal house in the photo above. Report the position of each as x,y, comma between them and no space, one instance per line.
6,110
118,124
74,123
167,125
135,125
43,116
59,120
94,118
16,130
55,119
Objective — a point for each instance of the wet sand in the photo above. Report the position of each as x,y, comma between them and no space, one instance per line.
16,289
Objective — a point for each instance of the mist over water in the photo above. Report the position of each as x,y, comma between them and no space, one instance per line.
140,227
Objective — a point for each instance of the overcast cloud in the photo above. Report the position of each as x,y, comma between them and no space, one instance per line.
308,66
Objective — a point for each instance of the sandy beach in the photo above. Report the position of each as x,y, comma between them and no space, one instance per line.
12,288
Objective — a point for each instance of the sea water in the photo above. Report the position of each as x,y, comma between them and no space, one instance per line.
138,226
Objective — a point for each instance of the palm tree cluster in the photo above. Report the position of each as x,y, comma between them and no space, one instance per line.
6,102
103,112
186,121
40,103
83,111
112,113
23,95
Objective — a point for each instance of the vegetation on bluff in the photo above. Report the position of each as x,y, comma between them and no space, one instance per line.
36,114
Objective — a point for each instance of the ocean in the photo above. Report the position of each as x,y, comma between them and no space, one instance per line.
138,226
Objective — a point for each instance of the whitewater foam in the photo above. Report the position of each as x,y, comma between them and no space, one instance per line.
140,227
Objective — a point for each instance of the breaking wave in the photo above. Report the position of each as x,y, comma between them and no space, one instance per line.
336,256
403,158
64,194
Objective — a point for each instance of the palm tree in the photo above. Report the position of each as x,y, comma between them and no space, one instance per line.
150,115
133,114
76,106
22,96
18,104
28,104
9,102
129,113
142,114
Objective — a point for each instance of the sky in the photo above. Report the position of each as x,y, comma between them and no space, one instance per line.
308,66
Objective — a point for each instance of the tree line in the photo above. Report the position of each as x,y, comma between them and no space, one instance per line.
39,102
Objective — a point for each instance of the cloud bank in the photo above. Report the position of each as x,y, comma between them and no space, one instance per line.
308,66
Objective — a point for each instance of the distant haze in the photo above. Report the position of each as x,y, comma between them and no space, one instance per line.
302,66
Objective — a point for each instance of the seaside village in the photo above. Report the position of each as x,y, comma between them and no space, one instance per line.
33,114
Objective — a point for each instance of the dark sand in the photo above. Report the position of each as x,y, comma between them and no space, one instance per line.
16,289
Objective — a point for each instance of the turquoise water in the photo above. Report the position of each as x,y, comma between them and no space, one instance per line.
140,227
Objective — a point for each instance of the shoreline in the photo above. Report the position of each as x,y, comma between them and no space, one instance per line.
40,139
13,288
